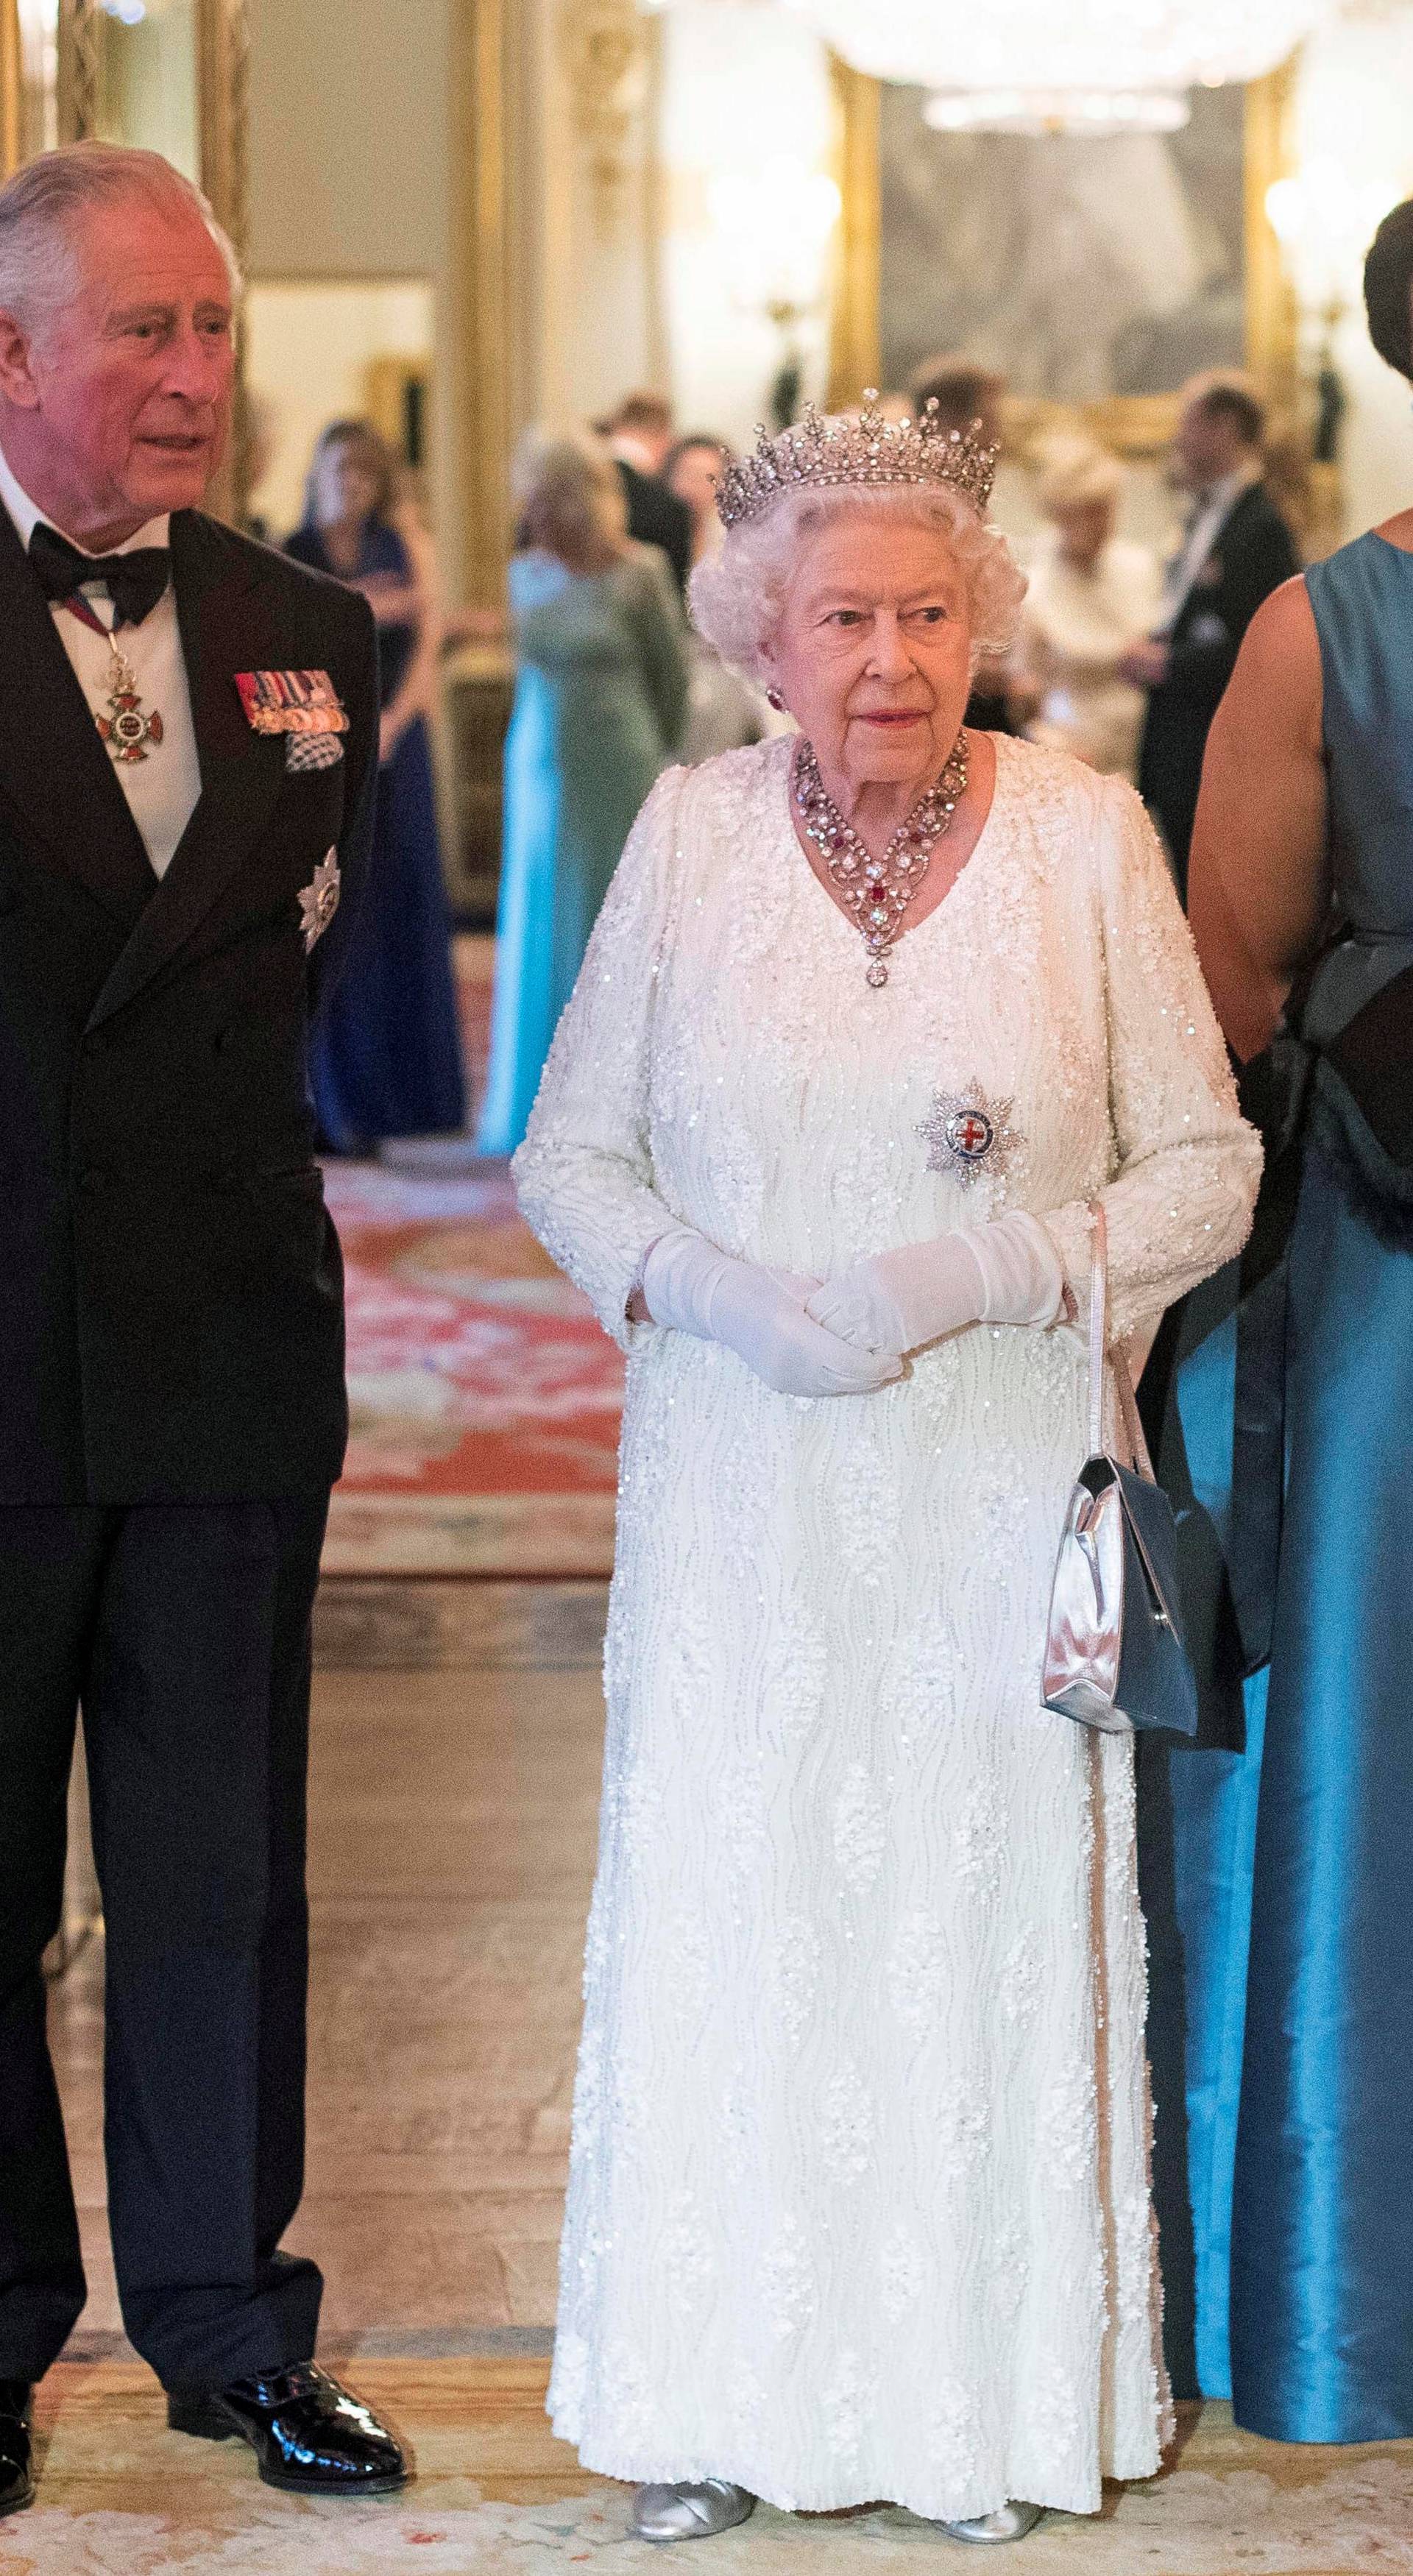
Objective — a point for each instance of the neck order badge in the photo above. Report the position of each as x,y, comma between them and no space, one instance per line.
129,726
134,583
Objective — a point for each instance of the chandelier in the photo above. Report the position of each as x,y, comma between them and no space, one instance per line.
1063,66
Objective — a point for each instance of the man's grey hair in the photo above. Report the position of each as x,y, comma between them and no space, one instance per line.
39,262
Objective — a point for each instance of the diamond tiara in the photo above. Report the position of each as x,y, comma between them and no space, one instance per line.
821,452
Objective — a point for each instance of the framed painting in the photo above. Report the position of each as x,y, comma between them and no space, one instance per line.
1096,275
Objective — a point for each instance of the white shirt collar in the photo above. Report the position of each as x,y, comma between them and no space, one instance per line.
1220,498
27,515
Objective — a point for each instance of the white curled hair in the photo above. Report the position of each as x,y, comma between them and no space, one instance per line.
738,595
39,264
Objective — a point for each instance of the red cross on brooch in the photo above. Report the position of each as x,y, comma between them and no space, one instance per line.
966,1133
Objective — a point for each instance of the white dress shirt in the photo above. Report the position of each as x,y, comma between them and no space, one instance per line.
161,790
1211,516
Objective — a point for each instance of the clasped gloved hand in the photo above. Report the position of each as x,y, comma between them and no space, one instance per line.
759,1314
1007,1272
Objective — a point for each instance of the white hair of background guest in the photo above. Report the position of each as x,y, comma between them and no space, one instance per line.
738,596
39,264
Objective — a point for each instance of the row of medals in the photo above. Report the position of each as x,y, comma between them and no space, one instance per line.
877,892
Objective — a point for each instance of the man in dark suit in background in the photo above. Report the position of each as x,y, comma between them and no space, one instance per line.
640,435
967,396
188,751
1236,551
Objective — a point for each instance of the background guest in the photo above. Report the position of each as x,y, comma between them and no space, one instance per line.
1092,596
1283,1930
386,1057
692,469
1236,551
600,702
725,712
640,436
967,393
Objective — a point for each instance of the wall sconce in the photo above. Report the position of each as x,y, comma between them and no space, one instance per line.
774,223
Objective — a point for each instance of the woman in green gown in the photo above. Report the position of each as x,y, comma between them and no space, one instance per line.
600,702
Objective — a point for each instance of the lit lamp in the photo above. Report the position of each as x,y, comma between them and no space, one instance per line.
774,223
1324,218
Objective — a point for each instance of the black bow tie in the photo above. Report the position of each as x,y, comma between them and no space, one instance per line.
134,582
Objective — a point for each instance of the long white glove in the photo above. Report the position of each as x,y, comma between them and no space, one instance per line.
760,1315
1007,1272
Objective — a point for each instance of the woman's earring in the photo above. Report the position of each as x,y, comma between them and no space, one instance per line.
774,699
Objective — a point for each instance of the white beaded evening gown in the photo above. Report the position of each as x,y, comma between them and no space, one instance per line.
859,2199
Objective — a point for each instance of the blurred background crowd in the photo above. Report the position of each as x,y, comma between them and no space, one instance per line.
1123,654
522,278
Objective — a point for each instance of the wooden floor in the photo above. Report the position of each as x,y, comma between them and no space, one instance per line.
453,1800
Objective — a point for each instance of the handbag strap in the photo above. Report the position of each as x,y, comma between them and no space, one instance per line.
1098,1322
1129,1414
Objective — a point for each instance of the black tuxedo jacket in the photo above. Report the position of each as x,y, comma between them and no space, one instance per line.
657,518
1252,555
171,1291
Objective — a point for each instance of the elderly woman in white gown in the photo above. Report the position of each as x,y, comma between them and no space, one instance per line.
859,2200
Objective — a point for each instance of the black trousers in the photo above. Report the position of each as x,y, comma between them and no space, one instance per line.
183,1629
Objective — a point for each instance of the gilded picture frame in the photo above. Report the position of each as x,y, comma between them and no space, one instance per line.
1133,424
221,39
51,91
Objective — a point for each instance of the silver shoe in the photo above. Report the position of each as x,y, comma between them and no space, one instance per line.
689,2512
1008,2522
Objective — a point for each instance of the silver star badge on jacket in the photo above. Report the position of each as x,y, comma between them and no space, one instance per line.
319,900
967,1133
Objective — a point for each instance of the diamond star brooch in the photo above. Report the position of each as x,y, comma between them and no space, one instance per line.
967,1133
319,900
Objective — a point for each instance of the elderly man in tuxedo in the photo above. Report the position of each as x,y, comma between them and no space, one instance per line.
1236,550
188,743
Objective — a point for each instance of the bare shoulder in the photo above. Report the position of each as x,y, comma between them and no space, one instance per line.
1278,681
1398,531
1284,624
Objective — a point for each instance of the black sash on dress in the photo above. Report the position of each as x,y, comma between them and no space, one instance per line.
1350,1098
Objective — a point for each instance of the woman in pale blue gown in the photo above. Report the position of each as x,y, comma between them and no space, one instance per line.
1279,1861
600,701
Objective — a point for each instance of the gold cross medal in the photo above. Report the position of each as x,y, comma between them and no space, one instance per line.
129,726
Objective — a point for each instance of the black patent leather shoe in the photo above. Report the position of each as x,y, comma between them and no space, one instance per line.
16,2451
308,2434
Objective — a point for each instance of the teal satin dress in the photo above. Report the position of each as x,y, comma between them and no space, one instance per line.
600,702
1278,1857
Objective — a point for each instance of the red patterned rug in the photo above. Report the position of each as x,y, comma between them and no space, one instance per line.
485,1399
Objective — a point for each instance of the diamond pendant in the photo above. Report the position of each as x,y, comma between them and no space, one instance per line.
128,727
877,891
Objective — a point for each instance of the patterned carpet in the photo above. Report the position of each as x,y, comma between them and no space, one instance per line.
123,2497
485,1399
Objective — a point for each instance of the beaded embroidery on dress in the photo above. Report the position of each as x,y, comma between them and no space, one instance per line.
859,2203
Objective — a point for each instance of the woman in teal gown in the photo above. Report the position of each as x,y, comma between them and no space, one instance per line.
1279,1861
600,702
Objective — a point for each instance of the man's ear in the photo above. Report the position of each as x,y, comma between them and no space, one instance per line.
17,383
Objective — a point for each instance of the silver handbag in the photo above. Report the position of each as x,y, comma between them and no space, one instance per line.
1115,1655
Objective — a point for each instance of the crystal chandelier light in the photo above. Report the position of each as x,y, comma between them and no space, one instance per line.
1063,66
